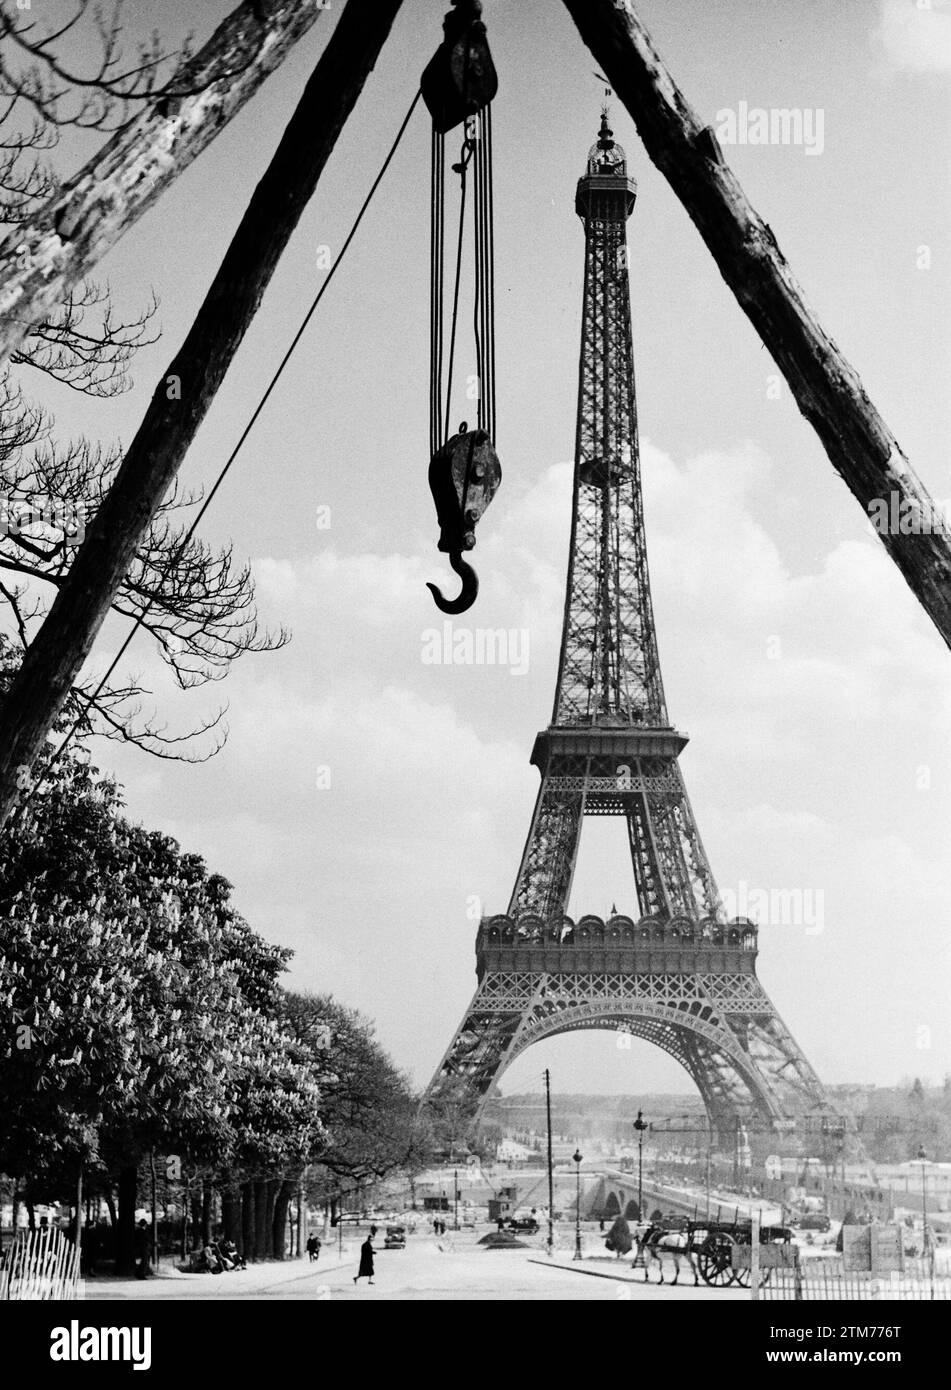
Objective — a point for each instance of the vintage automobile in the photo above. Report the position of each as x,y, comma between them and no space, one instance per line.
523,1225
395,1238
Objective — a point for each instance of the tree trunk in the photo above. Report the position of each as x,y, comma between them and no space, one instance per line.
283,1192
155,1256
51,254
231,1216
261,1221
194,1202
248,1223
125,1232
206,1222
825,386
273,1188
78,1223
185,392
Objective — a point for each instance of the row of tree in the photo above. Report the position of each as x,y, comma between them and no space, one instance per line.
896,1120
141,1017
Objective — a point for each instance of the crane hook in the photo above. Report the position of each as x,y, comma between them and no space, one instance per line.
470,586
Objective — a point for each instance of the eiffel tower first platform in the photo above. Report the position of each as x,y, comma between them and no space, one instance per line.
677,974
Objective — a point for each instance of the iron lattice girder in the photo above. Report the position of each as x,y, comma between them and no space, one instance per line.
723,1029
609,664
671,870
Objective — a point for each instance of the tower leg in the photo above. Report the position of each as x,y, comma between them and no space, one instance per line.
551,851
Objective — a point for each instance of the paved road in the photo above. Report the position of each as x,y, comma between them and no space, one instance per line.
428,1269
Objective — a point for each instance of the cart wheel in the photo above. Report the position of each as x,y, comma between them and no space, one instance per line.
714,1260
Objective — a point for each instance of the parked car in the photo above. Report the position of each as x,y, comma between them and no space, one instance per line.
395,1238
523,1225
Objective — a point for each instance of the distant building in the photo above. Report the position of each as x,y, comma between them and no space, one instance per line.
509,1151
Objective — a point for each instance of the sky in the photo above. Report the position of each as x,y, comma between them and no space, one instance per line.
814,689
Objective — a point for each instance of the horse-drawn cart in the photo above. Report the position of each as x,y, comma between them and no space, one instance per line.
716,1251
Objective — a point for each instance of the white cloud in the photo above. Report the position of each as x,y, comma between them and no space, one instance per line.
802,769
915,35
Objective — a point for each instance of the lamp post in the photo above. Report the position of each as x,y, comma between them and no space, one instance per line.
927,1248
709,1154
578,1156
640,1124
551,1180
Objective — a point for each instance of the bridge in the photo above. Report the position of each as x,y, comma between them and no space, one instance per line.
616,1194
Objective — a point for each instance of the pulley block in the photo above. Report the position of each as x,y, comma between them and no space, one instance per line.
460,78
464,476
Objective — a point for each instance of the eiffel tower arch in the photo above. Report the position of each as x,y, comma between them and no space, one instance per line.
675,972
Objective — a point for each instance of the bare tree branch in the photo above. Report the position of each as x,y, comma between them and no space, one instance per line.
43,260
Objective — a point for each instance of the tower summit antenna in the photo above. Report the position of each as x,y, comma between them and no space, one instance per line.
608,93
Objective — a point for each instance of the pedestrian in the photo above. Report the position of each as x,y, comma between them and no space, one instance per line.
142,1249
366,1258
313,1247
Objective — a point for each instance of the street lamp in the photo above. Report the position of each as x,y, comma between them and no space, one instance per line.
640,1124
578,1156
927,1247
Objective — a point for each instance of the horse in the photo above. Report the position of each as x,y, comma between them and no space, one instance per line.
666,1238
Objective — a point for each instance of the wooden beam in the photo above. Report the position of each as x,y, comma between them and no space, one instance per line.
825,386
54,658
46,257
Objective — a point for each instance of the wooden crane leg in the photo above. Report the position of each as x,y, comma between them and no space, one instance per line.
825,386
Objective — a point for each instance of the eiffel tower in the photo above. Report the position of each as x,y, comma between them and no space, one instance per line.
678,974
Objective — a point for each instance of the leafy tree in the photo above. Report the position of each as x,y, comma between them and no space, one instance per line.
618,1238
369,1118
139,1006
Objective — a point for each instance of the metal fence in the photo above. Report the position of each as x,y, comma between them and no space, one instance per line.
829,1279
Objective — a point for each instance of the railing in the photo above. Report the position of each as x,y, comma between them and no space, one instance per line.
827,1279
740,934
40,1265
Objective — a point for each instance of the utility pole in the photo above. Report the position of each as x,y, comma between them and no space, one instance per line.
709,1155
551,1178
185,392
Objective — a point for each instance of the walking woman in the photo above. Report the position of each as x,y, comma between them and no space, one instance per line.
366,1258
